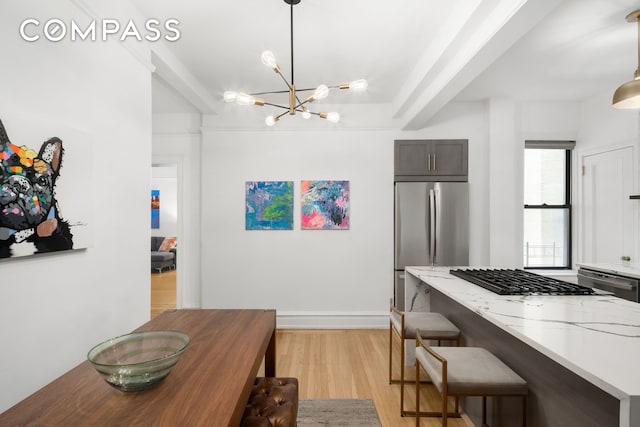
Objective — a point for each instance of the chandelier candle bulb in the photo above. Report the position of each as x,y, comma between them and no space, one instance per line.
269,59
333,117
305,113
271,120
358,85
321,92
244,99
230,96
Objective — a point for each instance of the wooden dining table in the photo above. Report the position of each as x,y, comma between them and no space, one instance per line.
209,385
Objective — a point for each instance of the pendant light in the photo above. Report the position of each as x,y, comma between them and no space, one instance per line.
296,104
627,96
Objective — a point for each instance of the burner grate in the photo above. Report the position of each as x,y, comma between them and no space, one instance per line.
519,282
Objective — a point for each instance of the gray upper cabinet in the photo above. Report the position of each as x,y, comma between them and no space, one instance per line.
431,160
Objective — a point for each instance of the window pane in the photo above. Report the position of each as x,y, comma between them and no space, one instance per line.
544,177
546,238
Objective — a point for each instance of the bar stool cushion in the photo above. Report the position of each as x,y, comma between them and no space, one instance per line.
472,371
430,325
273,403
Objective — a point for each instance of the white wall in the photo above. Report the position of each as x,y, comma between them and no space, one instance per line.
511,123
557,121
602,126
318,278
165,180
348,273
54,308
505,185
548,121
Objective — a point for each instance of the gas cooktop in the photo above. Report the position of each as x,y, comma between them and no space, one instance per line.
519,282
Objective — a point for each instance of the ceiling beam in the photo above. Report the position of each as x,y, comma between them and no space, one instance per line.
175,74
417,79
483,35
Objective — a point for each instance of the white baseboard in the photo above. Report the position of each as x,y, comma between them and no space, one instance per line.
332,320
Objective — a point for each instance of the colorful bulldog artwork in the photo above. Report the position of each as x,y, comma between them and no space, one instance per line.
29,213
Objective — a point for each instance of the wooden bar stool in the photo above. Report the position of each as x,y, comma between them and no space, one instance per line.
466,371
433,326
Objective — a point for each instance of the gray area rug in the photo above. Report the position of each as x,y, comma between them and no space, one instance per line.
337,412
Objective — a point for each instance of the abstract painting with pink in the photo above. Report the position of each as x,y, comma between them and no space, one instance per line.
324,205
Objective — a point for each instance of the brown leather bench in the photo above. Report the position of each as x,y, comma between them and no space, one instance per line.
273,403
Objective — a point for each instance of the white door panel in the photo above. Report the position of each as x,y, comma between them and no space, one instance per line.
607,212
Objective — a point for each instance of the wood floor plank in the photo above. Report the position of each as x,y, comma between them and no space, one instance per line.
163,292
335,364
352,364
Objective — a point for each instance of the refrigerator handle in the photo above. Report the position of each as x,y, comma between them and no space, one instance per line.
432,227
398,229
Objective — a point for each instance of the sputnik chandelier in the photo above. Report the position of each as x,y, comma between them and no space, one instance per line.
296,105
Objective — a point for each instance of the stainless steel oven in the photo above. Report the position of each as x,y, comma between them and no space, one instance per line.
620,286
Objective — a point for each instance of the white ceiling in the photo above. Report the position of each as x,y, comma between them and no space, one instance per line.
417,55
581,48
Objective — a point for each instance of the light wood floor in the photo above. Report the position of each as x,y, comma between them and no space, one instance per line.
353,364
335,364
163,291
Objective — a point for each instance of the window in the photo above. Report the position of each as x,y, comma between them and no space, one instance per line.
547,204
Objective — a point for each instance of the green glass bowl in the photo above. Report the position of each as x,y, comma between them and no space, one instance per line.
139,360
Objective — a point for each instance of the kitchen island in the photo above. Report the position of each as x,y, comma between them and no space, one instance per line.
579,354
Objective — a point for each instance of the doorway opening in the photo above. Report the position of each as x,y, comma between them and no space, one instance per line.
164,238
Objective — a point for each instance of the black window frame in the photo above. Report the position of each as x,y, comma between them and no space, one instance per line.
567,146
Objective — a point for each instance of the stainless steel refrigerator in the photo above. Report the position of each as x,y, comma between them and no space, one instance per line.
431,227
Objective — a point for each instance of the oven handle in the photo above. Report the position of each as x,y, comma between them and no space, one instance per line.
609,281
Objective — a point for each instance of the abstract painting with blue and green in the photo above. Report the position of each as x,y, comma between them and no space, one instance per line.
269,205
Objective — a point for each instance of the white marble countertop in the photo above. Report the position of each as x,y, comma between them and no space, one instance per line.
596,337
629,270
